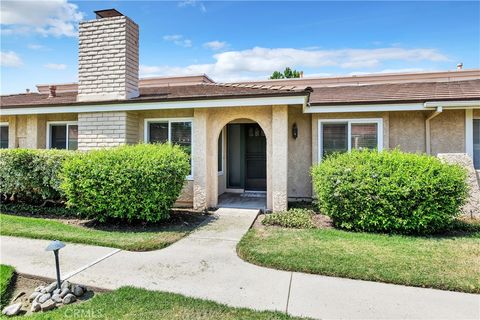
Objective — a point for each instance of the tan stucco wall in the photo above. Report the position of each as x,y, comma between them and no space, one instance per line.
448,132
299,154
407,130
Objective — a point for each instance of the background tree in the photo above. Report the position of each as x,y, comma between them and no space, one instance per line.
288,73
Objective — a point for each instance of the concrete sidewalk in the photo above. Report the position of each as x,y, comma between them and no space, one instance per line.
205,265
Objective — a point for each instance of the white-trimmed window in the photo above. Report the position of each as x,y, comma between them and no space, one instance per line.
3,135
62,135
177,131
343,135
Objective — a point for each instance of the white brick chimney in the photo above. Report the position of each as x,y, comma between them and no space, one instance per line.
108,58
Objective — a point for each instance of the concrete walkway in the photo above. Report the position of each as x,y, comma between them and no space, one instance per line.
205,265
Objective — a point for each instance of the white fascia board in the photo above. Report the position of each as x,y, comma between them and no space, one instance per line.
365,108
472,104
215,103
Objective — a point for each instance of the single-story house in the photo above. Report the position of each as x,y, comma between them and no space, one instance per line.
255,139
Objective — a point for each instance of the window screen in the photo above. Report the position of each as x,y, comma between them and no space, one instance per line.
58,136
3,137
158,132
364,135
220,152
334,138
72,137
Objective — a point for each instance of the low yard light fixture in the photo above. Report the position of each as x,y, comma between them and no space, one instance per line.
55,246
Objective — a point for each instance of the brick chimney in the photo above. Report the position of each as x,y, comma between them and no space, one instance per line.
108,58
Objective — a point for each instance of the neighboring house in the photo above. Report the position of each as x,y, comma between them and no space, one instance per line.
252,136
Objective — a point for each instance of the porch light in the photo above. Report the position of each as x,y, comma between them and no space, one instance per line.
55,246
294,131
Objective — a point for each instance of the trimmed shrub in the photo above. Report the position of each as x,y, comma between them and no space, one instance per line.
293,218
140,182
389,191
31,176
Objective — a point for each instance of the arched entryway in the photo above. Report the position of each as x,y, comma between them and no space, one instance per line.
242,165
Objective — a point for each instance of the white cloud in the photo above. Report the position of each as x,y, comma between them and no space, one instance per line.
52,17
10,59
56,66
215,45
193,3
256,62
178,40
33,46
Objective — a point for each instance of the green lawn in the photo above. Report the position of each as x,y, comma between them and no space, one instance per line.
133,303
136,240
450,263
6,275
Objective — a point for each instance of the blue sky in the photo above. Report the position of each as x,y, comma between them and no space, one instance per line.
245,40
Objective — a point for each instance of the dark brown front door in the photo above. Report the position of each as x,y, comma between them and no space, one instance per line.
255,158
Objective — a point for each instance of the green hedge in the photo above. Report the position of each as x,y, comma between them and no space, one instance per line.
293,218
140,182
31,176
391,192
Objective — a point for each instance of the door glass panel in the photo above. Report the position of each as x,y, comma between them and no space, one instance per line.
364,136
220,152
476,143
3,137
334,138
58,138
158,132
72,137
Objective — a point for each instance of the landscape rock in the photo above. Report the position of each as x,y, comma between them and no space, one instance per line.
57,298
44,297
56,291
64,292
12,309
35,306
69,298
39,288
21,293
48,305
34,295
77,290
65,284
52,286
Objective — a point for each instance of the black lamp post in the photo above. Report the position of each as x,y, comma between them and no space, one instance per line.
55,246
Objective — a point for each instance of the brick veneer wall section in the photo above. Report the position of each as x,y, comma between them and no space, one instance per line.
98,130
108,59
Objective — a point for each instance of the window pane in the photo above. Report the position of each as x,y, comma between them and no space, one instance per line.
364,136
182,135
158,132
3,137
334,138
220,152
58,136
72,137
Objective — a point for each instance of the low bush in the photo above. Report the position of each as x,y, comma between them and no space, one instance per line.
389,191
294,218
31,176
140,182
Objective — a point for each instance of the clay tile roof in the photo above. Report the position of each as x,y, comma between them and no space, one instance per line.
397,92
162,93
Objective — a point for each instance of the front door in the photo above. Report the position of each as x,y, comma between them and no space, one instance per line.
255,158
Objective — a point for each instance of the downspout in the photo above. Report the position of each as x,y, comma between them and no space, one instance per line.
427,129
